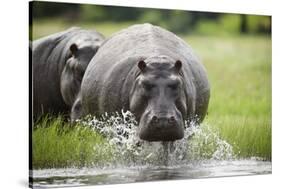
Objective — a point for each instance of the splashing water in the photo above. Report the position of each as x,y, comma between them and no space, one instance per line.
199,143
200,154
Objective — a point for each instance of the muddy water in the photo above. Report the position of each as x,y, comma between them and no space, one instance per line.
201,154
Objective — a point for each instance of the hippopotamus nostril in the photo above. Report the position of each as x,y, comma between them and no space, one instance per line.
154,119
172,119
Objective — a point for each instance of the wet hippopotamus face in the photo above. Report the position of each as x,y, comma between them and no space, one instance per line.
80,54
158,99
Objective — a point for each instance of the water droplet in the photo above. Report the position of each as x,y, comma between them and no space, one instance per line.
199,142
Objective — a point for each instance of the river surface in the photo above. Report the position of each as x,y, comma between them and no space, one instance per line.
48,178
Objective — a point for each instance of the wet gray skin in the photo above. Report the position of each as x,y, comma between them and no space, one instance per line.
58,65
150,72
158,97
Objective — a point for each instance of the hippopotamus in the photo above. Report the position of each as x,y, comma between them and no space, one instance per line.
58,65
150,72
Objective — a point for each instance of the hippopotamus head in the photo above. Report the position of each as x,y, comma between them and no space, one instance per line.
79,53
158,99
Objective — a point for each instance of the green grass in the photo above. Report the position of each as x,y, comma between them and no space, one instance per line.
56,143
239,70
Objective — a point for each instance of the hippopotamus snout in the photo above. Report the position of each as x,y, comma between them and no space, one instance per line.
162,127
162,121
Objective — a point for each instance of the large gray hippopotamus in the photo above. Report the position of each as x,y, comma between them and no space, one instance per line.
152,73
58,65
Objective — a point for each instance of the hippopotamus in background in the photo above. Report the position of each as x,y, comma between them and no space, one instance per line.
58,65
150,72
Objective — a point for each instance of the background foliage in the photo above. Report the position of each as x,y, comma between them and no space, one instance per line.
178,21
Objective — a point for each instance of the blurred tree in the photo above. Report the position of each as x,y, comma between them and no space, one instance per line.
230,24
243,25
51,9
153,16
93,13
99,13
117,13
178,21
259,24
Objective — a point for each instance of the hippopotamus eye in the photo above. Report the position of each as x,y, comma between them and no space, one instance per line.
173,86
148,86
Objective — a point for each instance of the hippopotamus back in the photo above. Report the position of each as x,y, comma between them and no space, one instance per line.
53,63
115,78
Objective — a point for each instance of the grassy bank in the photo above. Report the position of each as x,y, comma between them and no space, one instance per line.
239,70
56,143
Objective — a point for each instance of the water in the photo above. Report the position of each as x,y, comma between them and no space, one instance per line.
95,176
202,153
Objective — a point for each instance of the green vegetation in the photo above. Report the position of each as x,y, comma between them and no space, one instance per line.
55,143
239,70
178,21
46,27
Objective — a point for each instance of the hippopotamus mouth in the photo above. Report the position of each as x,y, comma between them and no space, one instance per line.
161,127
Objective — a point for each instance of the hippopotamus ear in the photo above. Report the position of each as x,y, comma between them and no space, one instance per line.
142,65
178,65
73,49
